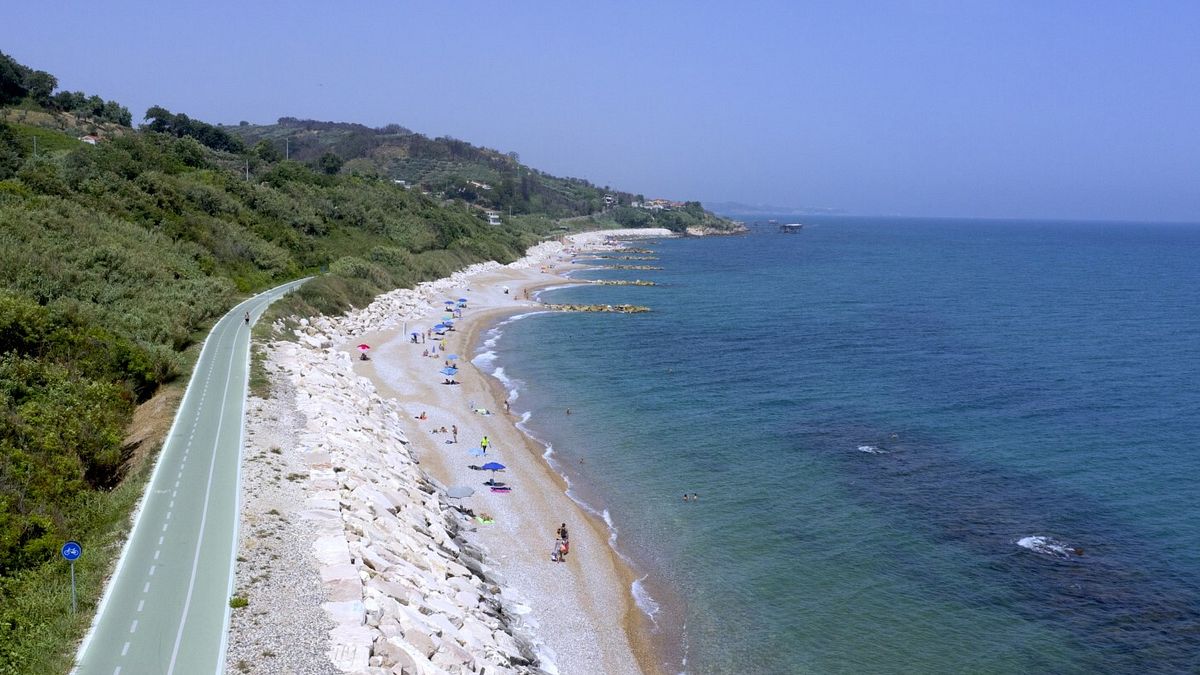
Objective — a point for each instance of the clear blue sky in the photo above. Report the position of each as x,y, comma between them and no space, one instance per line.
996,109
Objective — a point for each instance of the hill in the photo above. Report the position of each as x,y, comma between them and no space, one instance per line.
449,168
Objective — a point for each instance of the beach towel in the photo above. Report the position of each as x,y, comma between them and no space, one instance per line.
502,489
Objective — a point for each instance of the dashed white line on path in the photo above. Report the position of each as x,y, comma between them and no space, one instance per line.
152,567
141,604
133,626
125,649
146,588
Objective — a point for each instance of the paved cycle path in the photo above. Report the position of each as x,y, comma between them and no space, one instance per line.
166,609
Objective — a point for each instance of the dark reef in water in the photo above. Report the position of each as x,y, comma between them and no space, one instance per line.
1067,558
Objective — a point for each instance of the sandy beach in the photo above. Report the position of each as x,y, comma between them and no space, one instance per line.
410,579
583,607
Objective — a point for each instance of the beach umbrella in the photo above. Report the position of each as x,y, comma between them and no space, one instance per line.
462,299
363,348
449,302
448,371
493,467
460,491
452,357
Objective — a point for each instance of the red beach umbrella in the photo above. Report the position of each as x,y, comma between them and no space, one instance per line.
363,348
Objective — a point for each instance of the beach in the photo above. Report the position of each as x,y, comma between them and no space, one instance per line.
574,616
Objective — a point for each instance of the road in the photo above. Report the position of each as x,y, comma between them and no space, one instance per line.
166,609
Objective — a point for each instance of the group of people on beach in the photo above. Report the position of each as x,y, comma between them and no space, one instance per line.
562,545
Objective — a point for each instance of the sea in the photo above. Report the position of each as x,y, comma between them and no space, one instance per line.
917,445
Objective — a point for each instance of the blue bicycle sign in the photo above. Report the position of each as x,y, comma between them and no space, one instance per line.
72,550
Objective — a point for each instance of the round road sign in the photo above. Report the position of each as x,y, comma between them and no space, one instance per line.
72,550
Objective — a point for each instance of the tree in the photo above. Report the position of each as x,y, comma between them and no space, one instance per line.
266,152
10,152
329,164
12,80
40,86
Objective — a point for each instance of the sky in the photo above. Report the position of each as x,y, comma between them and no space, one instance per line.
1010,109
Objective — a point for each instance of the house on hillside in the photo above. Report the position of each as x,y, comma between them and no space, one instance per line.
91,139
493,218
481,186
609,200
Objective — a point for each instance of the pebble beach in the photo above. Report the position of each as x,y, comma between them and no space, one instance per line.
352,556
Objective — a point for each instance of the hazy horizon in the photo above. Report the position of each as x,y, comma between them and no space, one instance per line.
1071,110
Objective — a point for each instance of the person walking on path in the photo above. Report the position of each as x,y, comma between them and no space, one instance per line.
247,318
483,444
454,430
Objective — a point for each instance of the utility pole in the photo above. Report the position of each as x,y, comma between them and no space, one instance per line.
287,147
247,170
35,146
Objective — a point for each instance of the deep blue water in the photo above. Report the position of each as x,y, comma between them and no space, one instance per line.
877,414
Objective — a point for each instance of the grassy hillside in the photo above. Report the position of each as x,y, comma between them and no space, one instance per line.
443,166
452,169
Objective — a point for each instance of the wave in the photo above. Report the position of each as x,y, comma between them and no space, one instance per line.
872,450
485,359
643,600
1050,547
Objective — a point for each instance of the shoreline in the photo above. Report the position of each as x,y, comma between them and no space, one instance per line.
609,573
408,576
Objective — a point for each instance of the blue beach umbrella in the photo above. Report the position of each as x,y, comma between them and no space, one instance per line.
493,467
462,299
452,357
449,302
449,371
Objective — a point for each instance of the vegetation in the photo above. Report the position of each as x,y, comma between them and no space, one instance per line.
444,167
21,84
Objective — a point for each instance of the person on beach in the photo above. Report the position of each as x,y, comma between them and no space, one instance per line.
556,552
505,405
454,430
483,444
562,532
422,416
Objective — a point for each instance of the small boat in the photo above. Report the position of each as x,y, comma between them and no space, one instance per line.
791,228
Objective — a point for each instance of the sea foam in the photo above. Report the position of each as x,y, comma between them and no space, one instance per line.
1049,546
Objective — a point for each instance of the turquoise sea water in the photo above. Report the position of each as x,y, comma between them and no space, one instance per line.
900,430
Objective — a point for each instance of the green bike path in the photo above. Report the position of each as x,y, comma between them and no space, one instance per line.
166,608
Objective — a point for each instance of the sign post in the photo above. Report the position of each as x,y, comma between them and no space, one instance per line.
71,551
